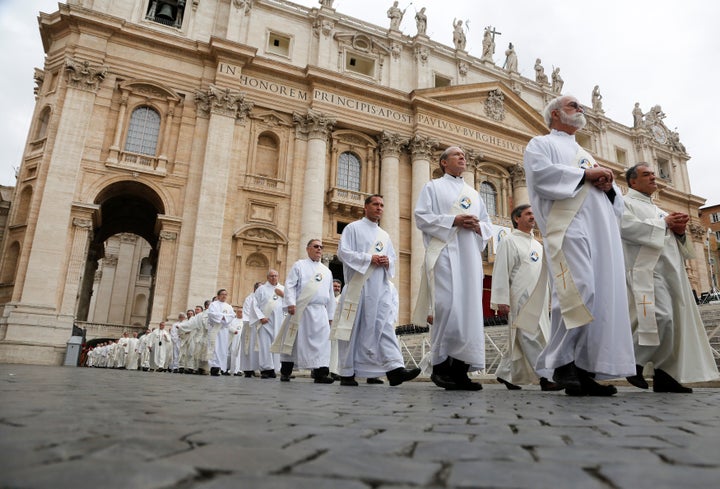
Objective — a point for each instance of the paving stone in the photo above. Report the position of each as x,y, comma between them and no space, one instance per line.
79,427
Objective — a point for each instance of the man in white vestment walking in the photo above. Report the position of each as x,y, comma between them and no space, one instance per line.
364,320
577,208
161,348
132,359
456,228
666,324
144,350
304,341
175,337
248,352
220,315
517,277
268,312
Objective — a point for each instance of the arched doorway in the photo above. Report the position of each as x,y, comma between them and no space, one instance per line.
119,280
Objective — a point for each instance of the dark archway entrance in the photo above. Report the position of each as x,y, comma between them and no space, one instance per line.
128,210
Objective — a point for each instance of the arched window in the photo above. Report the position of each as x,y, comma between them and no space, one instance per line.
145,267
143,131
267,155
348,175
42,124
489,195
140,306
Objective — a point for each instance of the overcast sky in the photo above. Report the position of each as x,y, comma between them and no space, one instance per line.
649,51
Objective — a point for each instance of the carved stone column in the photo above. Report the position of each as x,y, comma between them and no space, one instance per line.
421,151
82,233
47,269
316,128
164,280
114,154
226,109
390,148
520,191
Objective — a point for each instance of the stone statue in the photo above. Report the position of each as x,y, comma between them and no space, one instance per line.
511,61
421,21
395,15
597,99
459,35
675,142
326,3
557,81
488,44
540,75
637,114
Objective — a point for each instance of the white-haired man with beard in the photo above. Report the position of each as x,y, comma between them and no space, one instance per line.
577,208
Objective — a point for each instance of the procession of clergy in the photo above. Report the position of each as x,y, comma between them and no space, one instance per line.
611,267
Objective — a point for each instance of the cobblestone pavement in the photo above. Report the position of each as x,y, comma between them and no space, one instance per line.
64,427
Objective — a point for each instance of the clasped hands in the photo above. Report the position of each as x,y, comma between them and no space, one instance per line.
467,221
601,178
676,222
380,261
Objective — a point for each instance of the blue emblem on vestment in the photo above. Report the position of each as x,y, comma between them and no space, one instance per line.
318,277
534,256
379,246
465,202
584,163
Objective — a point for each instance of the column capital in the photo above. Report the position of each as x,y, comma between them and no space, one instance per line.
422,147
517,173
81,75
391,144
222,101
474,157
81,222
314,125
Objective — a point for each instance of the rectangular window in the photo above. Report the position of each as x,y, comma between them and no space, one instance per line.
278,44
715,217
359,64
621,156
717,236
442,81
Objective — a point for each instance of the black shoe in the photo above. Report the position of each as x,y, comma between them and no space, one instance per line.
547,386
225,372
444,381
189,371
469,385
215,371
334,376
200,371
638,380
323,379
400,375
348,381
238,374
588,387
249,373
268,374
374,380
510,386
181,370
284,378
663,382
567,377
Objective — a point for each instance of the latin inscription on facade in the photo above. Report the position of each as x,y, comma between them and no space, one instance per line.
390,114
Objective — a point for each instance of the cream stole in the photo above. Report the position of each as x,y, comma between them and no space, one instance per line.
344,319
573,308
425,304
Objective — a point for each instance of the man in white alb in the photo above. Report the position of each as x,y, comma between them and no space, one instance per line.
364,320
577,208
248,350
220,316
517,278
268,315
304,340
666,324
456,228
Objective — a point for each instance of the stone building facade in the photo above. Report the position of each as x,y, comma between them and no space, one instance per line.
226,134
710,221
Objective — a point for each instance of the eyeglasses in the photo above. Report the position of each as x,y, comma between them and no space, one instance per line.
575,106
318,247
